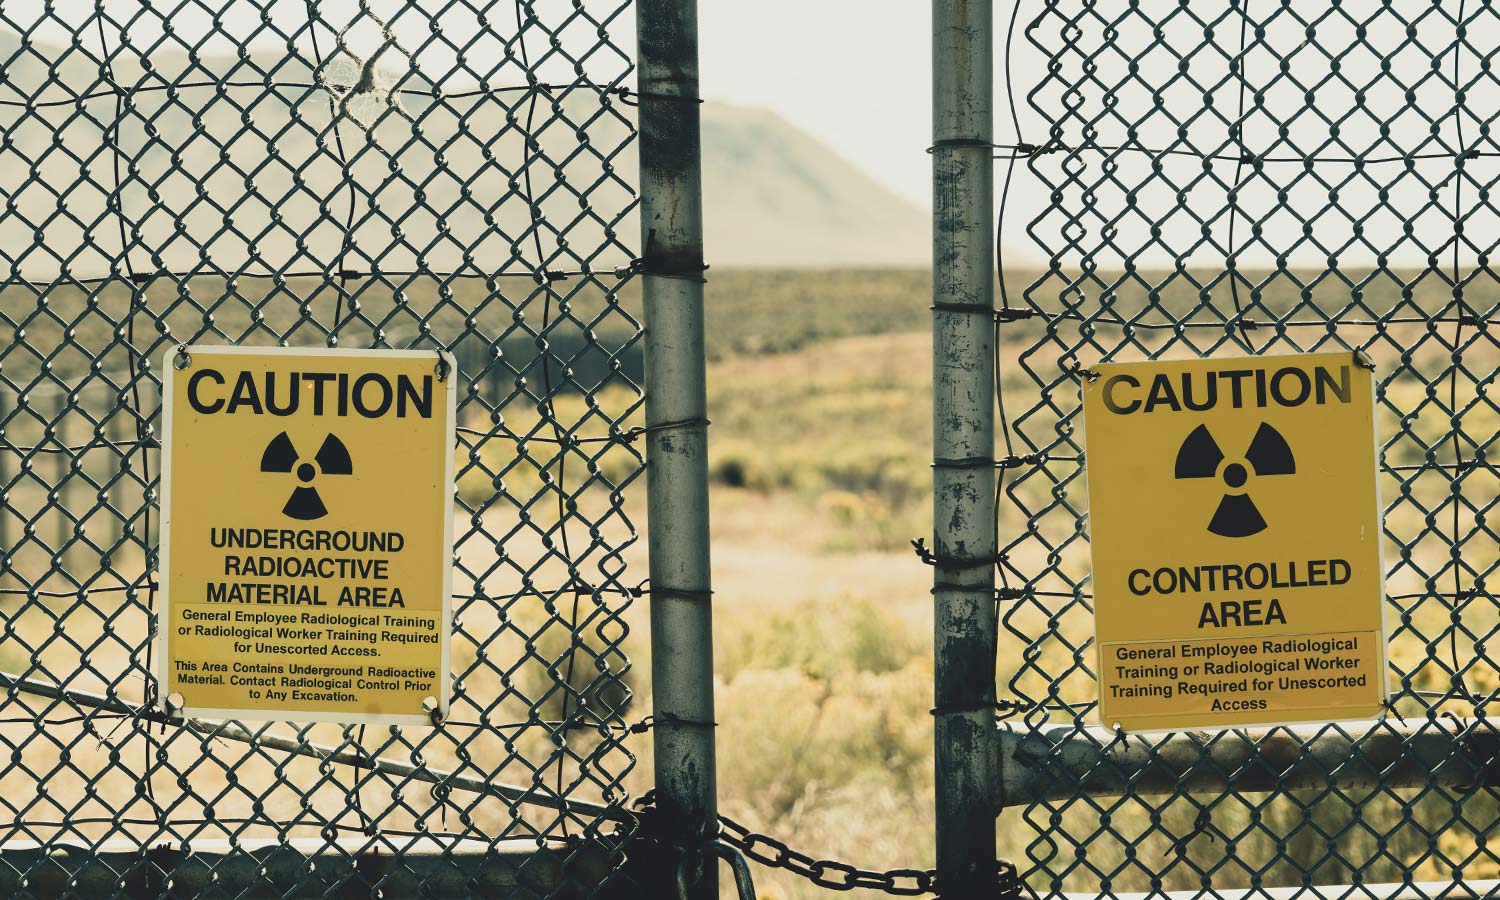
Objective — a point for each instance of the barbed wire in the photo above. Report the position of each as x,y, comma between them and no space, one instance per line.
1032,151
436,92
323,827
234,731
527,271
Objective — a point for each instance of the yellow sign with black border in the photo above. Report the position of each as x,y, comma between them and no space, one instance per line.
307,534
1234,521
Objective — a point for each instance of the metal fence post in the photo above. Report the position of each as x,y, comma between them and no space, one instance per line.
676,405
963,335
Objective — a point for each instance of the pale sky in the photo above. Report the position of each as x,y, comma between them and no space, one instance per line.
852,73
855,74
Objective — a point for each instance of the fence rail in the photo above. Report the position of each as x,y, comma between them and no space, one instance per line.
1054,764
297,869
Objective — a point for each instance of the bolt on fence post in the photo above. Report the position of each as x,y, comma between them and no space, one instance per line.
964,541
677,456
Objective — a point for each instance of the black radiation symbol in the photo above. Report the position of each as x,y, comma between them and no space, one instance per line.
332,459
1200,457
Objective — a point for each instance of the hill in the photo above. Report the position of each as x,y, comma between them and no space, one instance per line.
267,173
776,198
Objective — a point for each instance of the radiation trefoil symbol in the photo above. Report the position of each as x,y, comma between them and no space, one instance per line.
1200,457
332,459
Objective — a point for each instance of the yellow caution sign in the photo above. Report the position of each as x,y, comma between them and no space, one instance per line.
1235,529
307,534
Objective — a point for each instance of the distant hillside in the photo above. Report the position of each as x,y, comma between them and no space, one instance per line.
776,198
253,176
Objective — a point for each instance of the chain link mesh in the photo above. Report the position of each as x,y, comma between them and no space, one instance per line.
359,173
1242,178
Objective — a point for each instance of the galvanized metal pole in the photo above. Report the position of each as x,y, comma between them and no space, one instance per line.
963,334
676,416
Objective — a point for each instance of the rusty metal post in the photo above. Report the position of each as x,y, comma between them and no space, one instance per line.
677,441
963,335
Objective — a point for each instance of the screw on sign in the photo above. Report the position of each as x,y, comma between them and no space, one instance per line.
1235,532
307,534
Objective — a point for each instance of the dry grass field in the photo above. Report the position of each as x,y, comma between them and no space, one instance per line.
820,450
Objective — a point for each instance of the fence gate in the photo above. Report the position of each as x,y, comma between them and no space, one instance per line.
1227,179
350,173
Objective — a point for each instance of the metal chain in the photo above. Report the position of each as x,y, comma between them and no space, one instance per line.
841,876
827,873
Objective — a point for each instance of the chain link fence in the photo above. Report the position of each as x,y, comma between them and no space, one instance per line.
351,173
1244,178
